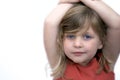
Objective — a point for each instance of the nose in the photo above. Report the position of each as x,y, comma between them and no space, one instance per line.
78,43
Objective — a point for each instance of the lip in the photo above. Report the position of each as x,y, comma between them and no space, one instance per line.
78,53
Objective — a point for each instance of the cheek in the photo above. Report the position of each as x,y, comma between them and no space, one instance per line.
91,50
67,46
93,46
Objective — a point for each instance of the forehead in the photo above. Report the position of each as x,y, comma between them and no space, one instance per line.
84,31
89,31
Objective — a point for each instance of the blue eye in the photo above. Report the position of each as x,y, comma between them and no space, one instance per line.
70,36
87,36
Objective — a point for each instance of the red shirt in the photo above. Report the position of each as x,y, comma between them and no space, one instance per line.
76,72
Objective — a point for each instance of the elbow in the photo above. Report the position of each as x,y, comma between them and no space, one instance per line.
117,23
47,22
50,21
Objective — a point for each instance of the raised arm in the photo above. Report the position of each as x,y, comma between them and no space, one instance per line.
50,31
112,19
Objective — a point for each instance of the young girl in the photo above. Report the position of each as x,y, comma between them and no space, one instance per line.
82,40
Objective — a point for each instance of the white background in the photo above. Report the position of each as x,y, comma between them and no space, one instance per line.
22,54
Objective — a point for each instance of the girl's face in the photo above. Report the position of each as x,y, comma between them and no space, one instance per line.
81,48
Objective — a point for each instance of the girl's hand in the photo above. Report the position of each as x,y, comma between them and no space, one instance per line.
68,1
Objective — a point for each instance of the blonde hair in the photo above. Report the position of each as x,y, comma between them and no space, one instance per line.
79,18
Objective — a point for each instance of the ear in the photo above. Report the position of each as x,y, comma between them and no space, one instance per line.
100,45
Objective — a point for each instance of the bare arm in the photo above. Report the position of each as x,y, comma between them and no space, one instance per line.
112,19
50,31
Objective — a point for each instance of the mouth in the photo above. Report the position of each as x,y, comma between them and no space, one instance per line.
78,53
